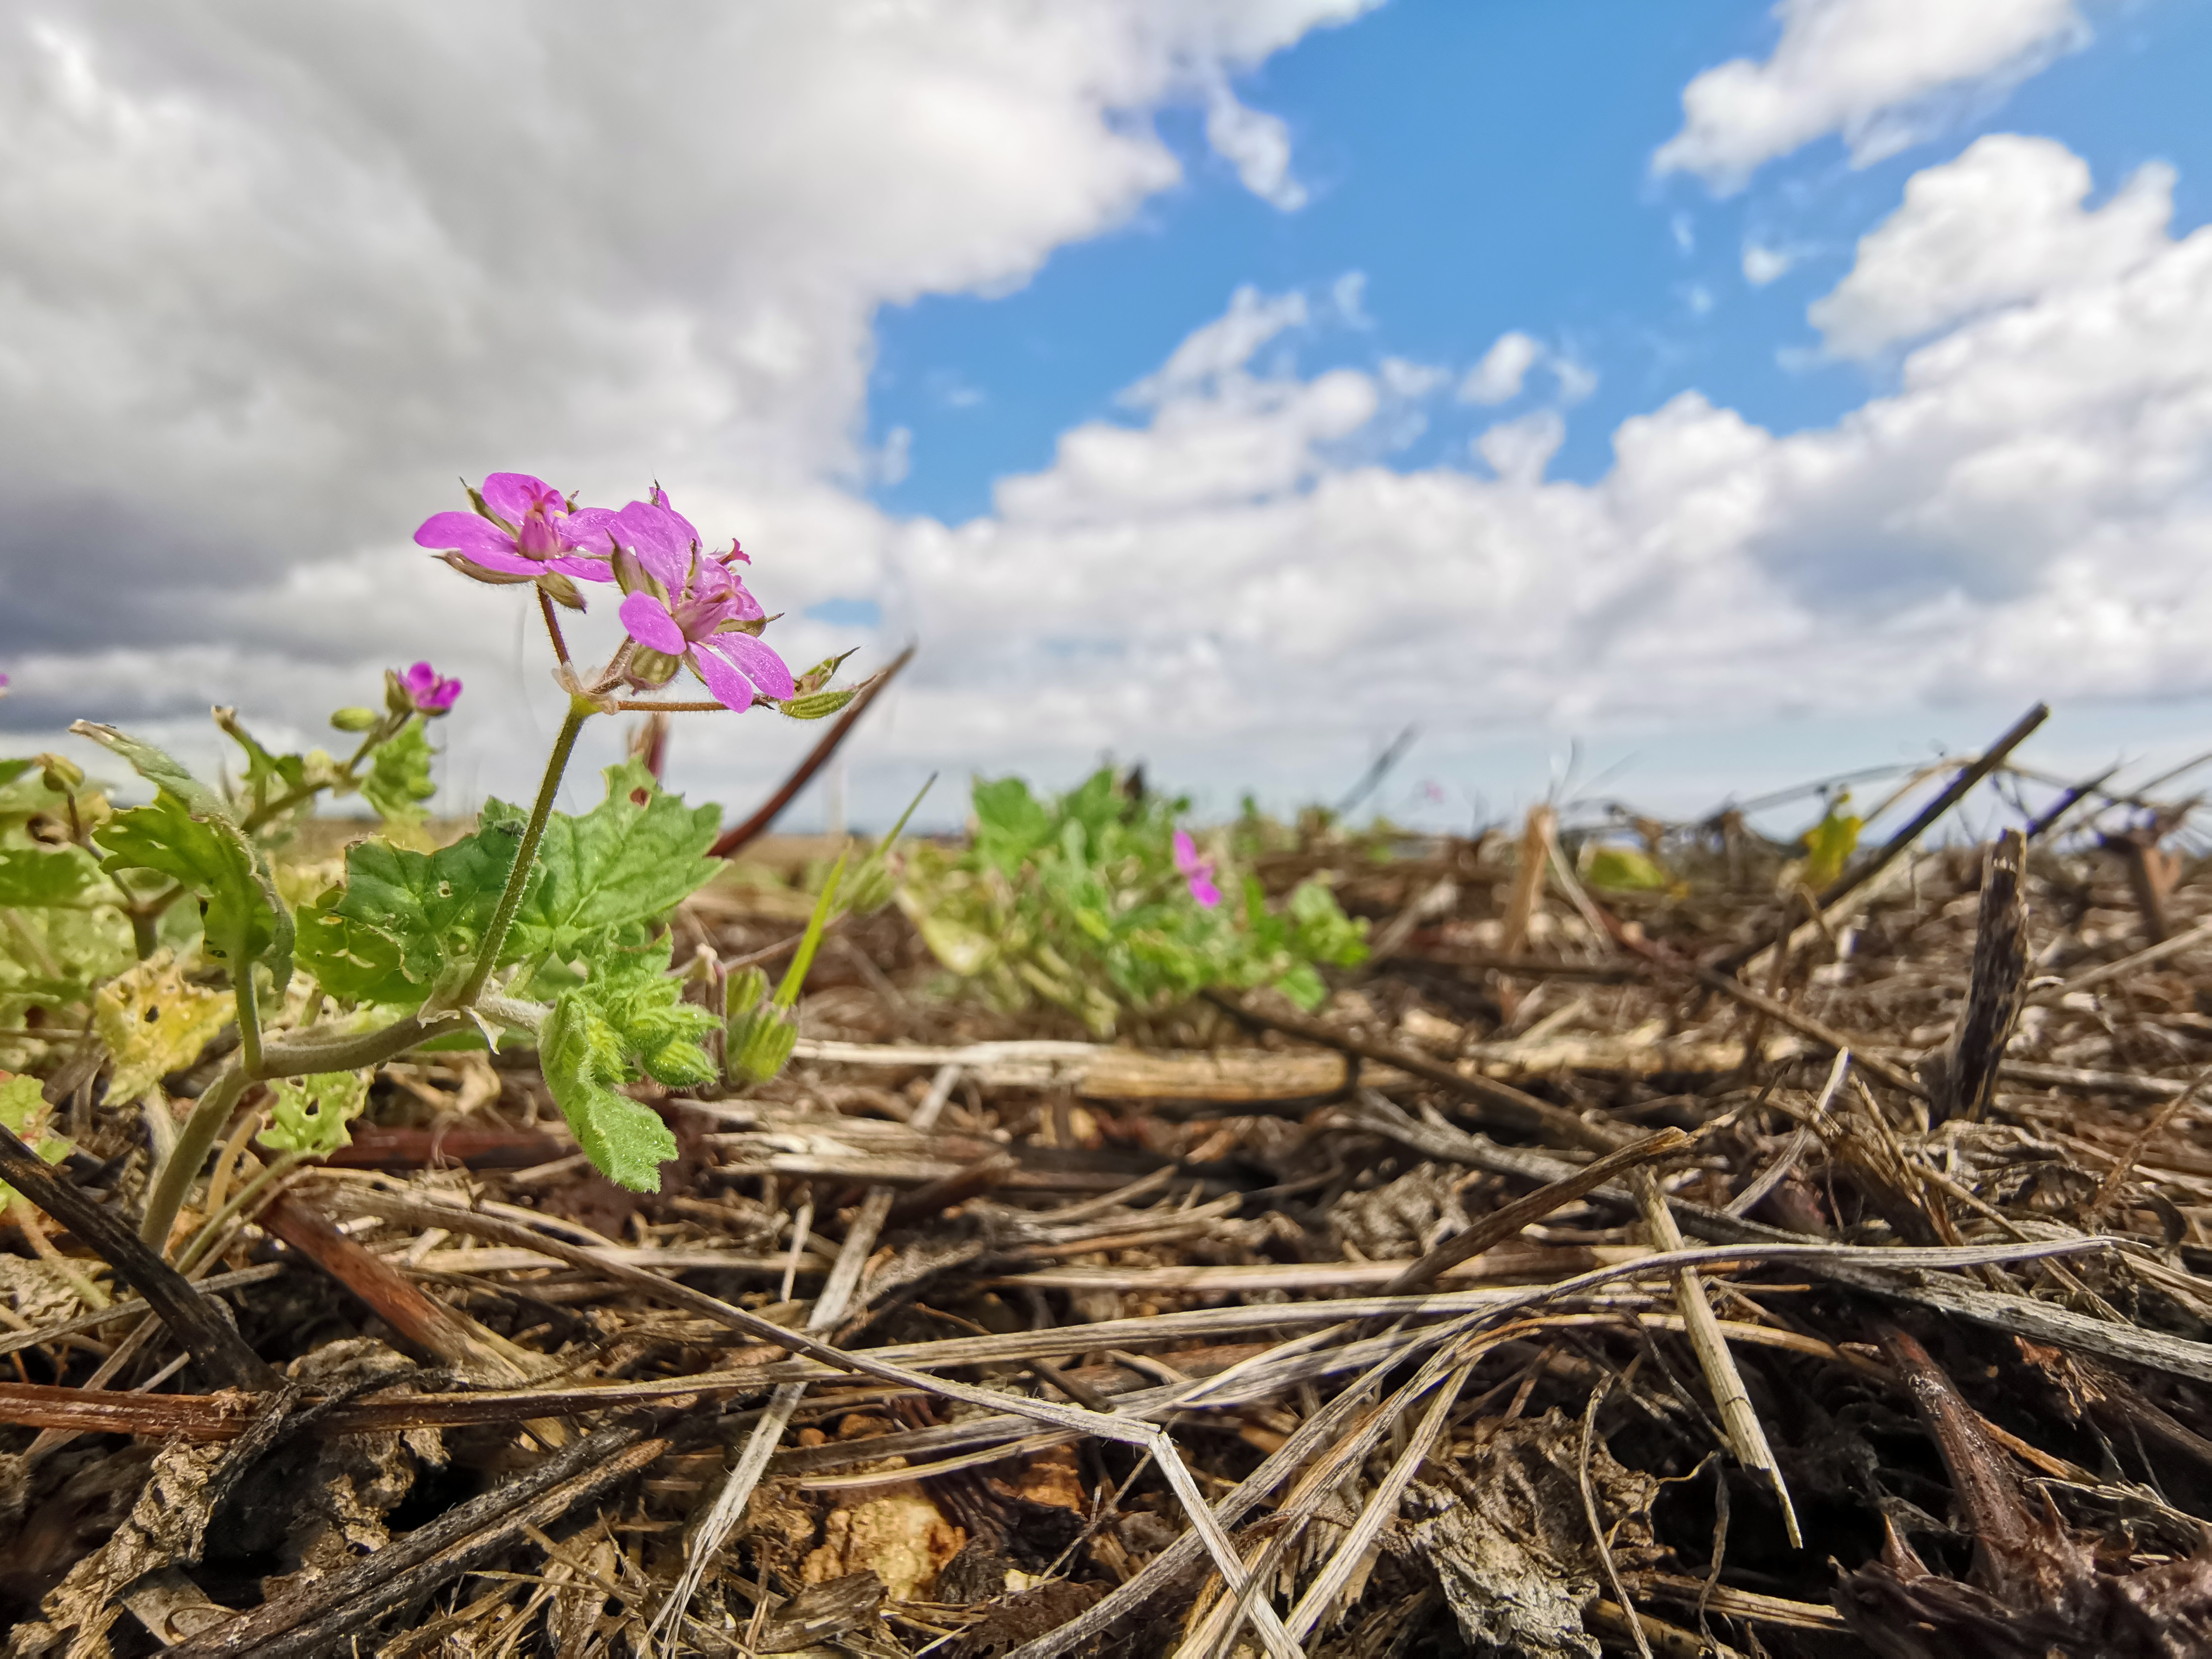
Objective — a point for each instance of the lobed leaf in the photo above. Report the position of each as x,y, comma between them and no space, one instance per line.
37,876
630,859
628,1018
398,779
309,1116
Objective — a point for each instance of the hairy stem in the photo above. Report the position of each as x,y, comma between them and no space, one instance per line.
194,1141
527,854
249,1022
320,1051
552,627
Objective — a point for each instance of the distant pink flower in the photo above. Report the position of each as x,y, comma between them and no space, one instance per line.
530,533
433,692
1198,871
689,605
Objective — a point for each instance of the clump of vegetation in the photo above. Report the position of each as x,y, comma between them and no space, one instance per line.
1098,903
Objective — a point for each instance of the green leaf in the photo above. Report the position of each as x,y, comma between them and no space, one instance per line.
23,1109
1009,824
208,855
398,779
435,906
627,1020
157,766
309,1116
631,858
795,976
186,832
35,877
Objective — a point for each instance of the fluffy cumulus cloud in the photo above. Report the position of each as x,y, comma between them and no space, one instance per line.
1882,73
274,275
2025,514
2004,223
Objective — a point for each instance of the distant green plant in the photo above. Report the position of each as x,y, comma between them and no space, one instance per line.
1099,904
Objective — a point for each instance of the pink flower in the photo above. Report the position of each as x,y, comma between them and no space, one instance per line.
523,530
689,605
433,692
1198,871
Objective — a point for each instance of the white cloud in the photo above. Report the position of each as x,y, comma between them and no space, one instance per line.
1231,587
1498,377
2002,224
1883,73
1763,264
1518,451
272,277
1223,345
1255,143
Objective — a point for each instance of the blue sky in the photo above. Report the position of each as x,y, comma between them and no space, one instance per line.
1486,166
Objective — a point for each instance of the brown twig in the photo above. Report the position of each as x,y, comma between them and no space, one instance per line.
755,826
206,1333
1954,792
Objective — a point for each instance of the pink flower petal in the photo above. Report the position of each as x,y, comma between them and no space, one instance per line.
650,624
731,689
1203,889
463,532
1186,852
761,665
512,494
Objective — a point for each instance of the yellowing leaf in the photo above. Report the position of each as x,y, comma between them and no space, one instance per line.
1829,843
154,1022
1624,870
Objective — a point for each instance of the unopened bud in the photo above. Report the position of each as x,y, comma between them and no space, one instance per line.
61,775
743,991
816,705
759,1044
356,718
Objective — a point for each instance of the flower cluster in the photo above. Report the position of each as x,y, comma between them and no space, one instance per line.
683,606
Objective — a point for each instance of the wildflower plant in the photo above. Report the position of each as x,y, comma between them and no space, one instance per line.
144,926
1103,906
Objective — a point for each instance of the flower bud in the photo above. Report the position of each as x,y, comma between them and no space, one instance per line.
61,775
759,1044
743,991
816,705
356,718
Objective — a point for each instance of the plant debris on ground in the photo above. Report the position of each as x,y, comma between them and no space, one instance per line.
1667,1239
